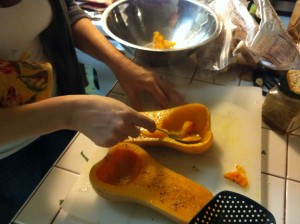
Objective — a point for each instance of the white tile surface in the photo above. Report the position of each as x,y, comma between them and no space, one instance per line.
199,83
185,68
297,132
65,218
294,158
246,83
273,196
45,203
117,89
293,202
74,158
274,153
280,162
230,78
117,96
205,76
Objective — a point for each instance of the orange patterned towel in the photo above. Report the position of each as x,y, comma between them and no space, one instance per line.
24,82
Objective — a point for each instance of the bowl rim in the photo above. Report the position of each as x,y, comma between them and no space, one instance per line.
137,47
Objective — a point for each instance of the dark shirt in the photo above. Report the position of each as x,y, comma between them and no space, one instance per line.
60,49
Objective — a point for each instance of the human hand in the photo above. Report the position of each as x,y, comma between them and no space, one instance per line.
136,79
107,121
132,77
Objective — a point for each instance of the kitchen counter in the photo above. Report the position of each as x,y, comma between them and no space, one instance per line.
280,156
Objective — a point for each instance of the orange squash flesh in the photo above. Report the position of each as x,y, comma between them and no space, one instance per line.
191,118
238,176
159,41
128,173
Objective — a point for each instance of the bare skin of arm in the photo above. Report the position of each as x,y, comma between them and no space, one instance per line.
132,77
104,120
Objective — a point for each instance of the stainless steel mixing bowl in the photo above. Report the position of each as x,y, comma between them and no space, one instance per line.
189,23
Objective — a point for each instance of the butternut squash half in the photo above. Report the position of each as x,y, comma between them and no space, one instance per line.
187,121
129,173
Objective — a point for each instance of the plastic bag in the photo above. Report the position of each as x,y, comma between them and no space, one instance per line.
294,25
229,47
272,44
249,39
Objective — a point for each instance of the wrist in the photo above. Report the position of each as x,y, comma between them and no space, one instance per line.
68,113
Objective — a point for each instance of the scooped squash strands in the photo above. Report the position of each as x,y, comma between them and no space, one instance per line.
190,122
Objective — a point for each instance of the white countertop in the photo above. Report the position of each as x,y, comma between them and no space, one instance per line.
280,158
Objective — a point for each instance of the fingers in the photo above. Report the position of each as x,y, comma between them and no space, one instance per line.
129,123
160,95
108,121
134,101
145,122
134,121
131,131
119,136
172,95
113,140
111,135
170,92
165,93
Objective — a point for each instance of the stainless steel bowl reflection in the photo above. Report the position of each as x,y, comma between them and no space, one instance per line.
189,23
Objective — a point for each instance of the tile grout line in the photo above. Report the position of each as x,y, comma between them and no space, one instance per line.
55,216
194,73
285,179
68,170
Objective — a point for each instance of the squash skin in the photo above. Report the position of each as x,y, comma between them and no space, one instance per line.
148,183
173,119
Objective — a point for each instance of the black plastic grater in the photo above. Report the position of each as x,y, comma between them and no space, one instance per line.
230,207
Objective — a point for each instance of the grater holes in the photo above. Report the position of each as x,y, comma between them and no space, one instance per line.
233,209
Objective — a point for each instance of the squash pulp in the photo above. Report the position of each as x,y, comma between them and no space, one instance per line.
129,173
188,121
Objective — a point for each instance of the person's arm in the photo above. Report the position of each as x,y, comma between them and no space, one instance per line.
31,119
132,77
104,120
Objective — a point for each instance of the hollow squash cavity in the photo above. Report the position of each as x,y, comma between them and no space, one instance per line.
129,173
120,168
187,121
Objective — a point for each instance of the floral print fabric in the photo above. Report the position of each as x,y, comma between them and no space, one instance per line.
24,82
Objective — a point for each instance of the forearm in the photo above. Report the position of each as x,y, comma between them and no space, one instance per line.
104,120
91,41
34,119
132,77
